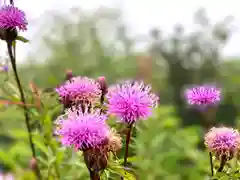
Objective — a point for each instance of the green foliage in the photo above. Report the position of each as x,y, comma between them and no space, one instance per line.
161,147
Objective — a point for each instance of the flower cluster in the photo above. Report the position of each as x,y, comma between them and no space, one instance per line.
223,142
88,131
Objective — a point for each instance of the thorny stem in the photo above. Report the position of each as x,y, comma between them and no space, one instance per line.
27,119
211,162
128,137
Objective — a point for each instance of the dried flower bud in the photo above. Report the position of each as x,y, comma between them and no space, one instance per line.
115,141
103,84
69,74
97,158
33,164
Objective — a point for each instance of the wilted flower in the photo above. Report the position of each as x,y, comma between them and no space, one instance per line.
114,141
79,90
97,158
223,142
203,95
11,17
82,130
131,101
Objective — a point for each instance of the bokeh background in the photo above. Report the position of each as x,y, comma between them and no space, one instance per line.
196,44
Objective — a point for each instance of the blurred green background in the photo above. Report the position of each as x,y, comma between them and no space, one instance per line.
98,44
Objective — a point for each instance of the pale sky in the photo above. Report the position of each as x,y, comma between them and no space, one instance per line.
140,15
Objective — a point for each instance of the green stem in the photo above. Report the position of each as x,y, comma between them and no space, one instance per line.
27,119
127,146
211,163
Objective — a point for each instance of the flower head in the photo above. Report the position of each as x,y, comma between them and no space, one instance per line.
83,130
131,101
78,90
222,141
203,95
11,17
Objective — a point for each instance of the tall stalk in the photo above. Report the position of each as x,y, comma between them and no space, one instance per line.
211,163
128,137
27,119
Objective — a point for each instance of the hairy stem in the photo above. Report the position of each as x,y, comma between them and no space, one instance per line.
27,119
211,162
128,137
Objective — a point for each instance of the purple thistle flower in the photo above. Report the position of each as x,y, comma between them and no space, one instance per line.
11,17
131,101
78,90
82,130
222,141
203,95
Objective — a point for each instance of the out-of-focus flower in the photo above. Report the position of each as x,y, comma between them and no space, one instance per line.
79,90
222,142
131,101
6,176
11,17
203,95
4,68
83,130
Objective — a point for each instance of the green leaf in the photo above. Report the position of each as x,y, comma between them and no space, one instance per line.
39,144
28,176
121,172
131,159
23,39
220,175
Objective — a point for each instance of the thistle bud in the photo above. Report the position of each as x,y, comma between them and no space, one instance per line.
103,87
33,164
69,74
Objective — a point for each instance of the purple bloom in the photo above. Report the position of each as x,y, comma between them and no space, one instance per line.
222,141
11,17
83,130
78,90
131,101
203,95
4,68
